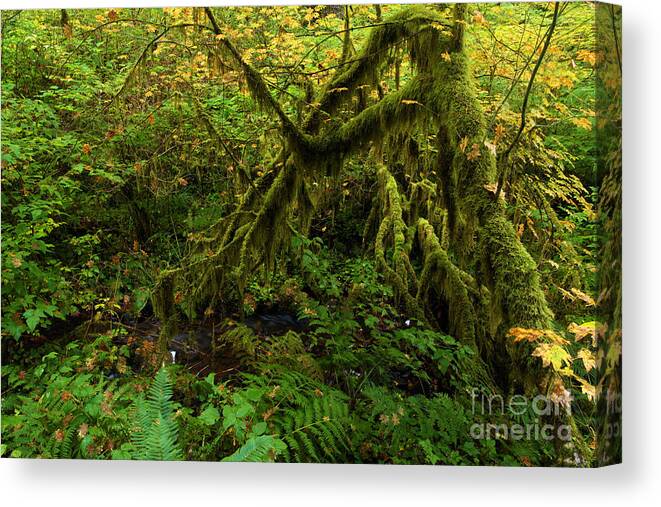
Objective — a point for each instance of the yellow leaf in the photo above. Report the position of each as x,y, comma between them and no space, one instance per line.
500,132
408,101
585,329
491,187
16,262
587,357
532,335
552,355
582,296
491,147
587,388
479,19
583,123
463,144
474,153
587,56
446,56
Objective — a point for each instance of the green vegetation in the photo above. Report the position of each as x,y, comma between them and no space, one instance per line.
311,234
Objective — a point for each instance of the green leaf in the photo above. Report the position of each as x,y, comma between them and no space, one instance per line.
244,410
259,428
210,416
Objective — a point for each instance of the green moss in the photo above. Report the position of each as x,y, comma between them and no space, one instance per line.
474,234
441,274
392,233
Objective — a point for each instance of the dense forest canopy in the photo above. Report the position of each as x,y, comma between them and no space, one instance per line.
312,233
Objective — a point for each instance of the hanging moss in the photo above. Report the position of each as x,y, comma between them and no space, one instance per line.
392,232
440,273
475,234
407,25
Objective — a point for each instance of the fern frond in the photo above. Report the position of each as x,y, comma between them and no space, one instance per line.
157,432
261,448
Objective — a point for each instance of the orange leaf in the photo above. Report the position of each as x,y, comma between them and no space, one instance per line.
474,153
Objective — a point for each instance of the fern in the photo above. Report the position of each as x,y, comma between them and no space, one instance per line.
405,429
289,351
66,446
311,418
261,448
156,435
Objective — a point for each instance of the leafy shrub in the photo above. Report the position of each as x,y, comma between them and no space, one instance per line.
64,407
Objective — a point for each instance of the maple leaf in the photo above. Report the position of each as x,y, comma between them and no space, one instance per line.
532,335
519,230
586,329
587,357
583,123
463,144
500,132
491,147
582,296
479,19
552,355
587,388
474,153
587,56
112,15
491,187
